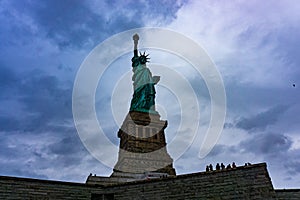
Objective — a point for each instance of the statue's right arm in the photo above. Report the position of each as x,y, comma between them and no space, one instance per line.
135,39
135,52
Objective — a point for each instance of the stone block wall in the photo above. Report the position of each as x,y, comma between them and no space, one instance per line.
251,182
290,194
23,188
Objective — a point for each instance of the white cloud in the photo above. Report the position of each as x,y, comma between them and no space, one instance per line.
242,37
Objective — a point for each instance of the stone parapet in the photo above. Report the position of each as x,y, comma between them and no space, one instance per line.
251,182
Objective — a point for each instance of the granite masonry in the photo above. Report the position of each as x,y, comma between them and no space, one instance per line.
246,182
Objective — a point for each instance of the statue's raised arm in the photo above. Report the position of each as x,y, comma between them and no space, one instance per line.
135,38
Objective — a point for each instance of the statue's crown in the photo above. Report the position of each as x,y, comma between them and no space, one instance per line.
143,58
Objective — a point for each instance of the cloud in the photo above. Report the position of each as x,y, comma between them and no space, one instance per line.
42,99
292,166
39,156
16,157
7,78
276,150
39,135
78,24
66,23
262,120
217,150
267,143
68,152
245,39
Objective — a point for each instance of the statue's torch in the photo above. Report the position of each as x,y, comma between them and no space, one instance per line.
135,38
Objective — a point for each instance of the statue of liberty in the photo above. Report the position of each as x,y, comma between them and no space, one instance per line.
143,99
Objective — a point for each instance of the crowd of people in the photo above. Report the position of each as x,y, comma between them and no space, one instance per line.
222,166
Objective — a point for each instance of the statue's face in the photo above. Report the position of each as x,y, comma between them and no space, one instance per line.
143,59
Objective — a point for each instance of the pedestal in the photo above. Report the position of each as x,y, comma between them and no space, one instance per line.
143,146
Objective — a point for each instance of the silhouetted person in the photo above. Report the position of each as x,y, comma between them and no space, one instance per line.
248,164
207,168
218,166
222,166
233,165
228,166
211,167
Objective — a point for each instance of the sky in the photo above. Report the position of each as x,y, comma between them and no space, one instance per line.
254,45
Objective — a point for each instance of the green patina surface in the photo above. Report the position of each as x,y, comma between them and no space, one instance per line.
143,99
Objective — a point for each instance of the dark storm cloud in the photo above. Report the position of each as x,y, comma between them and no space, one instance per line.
228,125
289,51
7,77
67,146
46,96
261,120
221,149
292,165
267,143
218,149
243,96
43,99
164,10
9,123
31,157
34,103
69,151
68,23
73,23
276,149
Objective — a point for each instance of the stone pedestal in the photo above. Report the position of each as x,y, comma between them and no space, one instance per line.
143,146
